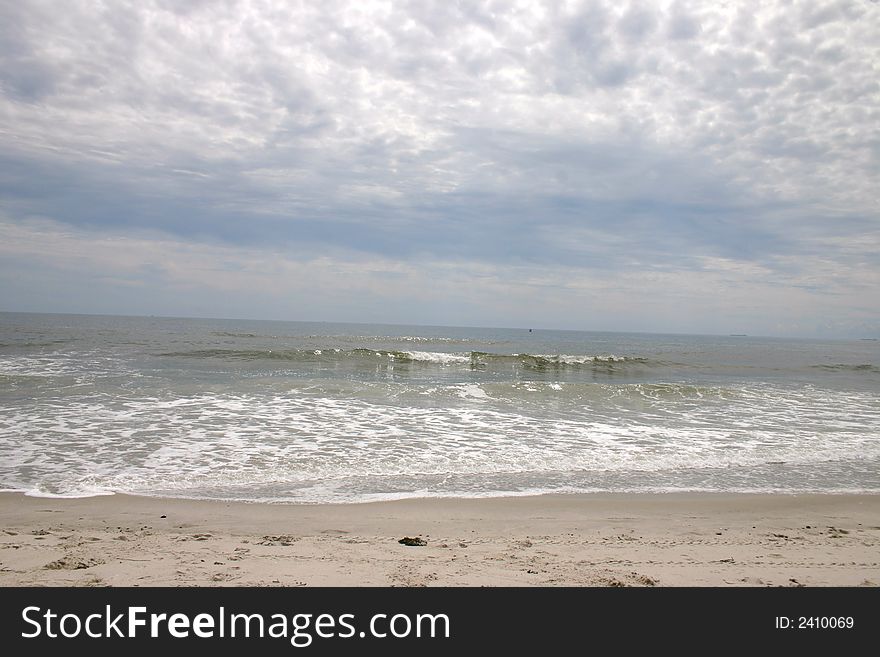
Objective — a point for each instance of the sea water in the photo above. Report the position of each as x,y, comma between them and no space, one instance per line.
320,412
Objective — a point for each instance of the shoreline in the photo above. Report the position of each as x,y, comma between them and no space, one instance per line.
590,539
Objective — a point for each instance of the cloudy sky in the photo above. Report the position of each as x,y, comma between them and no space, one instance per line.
645,166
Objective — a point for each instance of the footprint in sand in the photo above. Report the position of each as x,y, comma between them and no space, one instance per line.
238,554
283,540
72,563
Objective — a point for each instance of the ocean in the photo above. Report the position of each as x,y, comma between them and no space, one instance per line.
322,412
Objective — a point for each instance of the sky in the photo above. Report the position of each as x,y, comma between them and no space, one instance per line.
689,167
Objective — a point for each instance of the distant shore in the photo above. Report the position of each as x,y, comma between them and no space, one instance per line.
554,540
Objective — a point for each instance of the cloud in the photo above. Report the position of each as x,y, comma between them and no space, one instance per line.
606,140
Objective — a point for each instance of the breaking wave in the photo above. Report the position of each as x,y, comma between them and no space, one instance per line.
471,359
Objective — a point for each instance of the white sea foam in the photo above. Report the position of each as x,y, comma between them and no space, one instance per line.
295,445
359,339
471,391
439,357
570,359
70,494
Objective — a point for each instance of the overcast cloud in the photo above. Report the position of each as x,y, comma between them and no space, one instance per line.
644,166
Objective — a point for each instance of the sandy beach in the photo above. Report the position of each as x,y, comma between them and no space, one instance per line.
567,540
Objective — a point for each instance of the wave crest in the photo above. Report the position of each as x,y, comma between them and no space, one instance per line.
469,359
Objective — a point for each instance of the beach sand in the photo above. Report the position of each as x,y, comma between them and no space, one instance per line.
551,540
